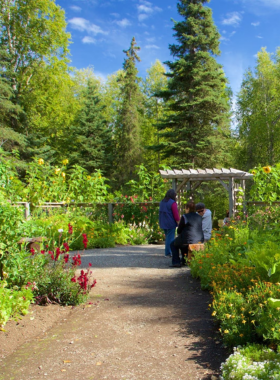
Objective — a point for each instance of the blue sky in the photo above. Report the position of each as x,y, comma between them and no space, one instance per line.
102,29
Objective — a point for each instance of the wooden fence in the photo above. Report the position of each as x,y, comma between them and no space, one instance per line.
110,206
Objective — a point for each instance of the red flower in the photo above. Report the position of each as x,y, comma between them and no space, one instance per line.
90,264
70,229
43,251
66,258
85,240
76,260
32,250
73,279
94,283
66,246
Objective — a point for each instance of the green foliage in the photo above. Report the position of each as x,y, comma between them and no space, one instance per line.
11,221
149,185
241,267
266,186
14,302
253,361
257,113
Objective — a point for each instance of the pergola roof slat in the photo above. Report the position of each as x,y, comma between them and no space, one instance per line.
206,175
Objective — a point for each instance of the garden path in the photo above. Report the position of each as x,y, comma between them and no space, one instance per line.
146,321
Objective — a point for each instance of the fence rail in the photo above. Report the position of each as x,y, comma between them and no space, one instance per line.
110,206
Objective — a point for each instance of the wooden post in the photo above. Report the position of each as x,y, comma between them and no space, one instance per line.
110,213
189,190
231,196
243,185
27,210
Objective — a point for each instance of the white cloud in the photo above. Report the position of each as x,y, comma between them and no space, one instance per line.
259,36
75,8
232,33
271,3
88,40
232,19
146,9
82,25
152,47
255,23
142,16
115,14
101,76
123,23
150,39
222,38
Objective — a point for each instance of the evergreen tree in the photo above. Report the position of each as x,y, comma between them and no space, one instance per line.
91,139
128,140
196,94
9,112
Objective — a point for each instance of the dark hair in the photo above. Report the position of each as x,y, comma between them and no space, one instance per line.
191,206
200,206
171,194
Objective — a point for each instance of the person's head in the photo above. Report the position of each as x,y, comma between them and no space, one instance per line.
171,194
190,207
200,208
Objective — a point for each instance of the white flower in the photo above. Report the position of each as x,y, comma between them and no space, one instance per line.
60,230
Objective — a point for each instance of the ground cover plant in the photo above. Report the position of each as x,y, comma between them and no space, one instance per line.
252,362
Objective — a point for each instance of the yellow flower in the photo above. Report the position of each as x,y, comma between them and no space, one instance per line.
254,172
226,331
41,161
241,335
244,321
57,170
228,315
214,313
88,177
273,329
253,321
65,162
267,169
63,175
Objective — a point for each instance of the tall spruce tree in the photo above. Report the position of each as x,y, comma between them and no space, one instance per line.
196,94
92,137
128,140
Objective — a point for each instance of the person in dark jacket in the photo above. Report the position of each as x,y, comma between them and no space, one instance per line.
190,229
168,218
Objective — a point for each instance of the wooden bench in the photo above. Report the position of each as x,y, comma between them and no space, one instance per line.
194,248
33,243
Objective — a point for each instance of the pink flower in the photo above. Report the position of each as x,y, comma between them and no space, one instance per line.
122,216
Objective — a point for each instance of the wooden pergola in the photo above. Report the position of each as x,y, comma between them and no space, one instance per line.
184,182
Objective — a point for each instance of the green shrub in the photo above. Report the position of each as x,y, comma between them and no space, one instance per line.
14,302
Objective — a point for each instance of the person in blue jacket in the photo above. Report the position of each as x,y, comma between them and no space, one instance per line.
169,218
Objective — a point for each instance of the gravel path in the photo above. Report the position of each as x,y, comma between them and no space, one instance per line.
146,321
